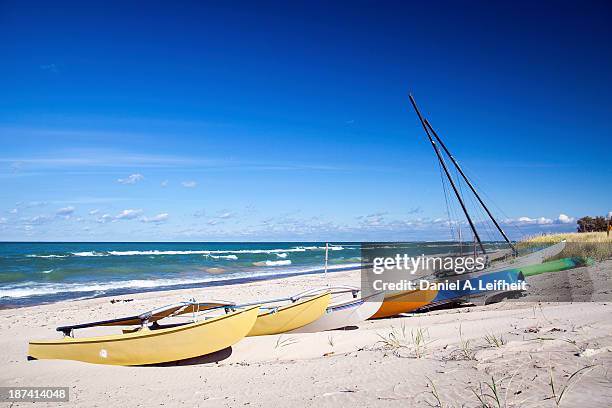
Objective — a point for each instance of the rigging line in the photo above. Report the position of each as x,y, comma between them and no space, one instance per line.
492,232
454,212
491,200
436,150
455,215
480,181
446,198
485,222
469,184
482,219
458,181
477,216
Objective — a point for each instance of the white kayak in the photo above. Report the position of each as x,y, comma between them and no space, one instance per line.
344,313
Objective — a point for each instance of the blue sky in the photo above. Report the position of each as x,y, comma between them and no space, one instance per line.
238,121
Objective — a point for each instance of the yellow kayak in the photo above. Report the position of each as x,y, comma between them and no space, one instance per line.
148,346
404,302
290,316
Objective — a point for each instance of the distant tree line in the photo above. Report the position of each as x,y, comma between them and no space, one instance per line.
592,224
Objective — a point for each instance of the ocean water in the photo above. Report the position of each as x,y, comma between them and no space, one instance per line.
36,273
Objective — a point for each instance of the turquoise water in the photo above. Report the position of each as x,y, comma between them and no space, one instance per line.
35,273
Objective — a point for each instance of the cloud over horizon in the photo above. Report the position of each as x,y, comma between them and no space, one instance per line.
131,179
159,218
189,184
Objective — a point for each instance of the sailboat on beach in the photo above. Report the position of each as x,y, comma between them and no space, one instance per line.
500,264
145,342
317,309
344,310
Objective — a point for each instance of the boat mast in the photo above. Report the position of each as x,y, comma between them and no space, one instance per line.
499,228
435,147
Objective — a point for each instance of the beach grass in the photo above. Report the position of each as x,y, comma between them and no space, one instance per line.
559,391
594,245
494,340
465,348
435,394
489,395
398,340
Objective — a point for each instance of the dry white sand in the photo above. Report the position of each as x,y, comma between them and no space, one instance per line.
343,368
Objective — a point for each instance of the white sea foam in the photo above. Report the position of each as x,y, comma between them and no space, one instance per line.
154,252
89,253
47,256
206,252
273,263
47,271
232,257
282,255
28,289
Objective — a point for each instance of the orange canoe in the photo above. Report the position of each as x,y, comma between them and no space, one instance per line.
403,302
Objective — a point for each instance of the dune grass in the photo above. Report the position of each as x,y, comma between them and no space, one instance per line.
595,245
397,340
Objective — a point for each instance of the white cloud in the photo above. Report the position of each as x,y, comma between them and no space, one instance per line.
129,214
543,221
159,218
226,215
164,183
14,211
373,220
65,211
131,179
106,218
529,221
94,212
561,219
189,184
37,220
3,220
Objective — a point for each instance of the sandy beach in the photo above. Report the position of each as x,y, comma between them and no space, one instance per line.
377,364
191,192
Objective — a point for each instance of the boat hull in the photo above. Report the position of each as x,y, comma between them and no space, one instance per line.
553,266
475,288
151,346
290,317
404,302
344,314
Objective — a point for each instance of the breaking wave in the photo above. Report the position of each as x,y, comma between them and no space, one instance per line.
231,257
280,252
31,289
284,262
